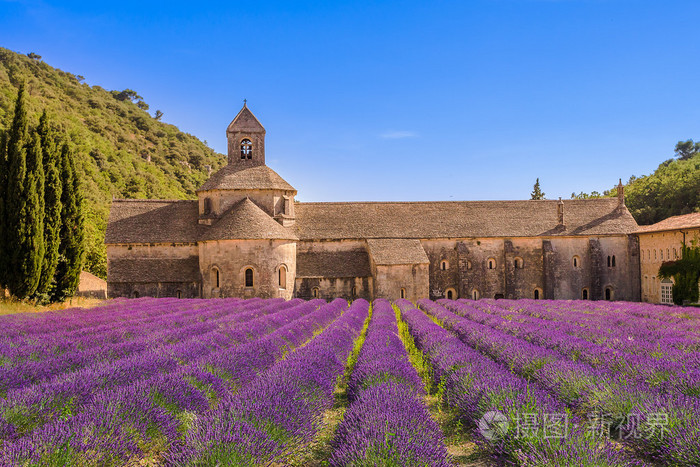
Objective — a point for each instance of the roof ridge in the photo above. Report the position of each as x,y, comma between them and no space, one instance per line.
235,218
459,201
152,200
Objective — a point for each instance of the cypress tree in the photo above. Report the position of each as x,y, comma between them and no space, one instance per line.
52,208
536,191
15,226
3,195
31,254
71,249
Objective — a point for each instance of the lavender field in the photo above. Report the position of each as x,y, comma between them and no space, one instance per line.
259,382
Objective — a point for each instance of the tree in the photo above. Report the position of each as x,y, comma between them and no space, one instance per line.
126,95
33,254
536,191
687,149
158,115
71,249
24,209
34,56
142,105
685,273
3,195
52,206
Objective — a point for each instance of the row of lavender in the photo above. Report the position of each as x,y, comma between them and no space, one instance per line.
656,416
618,327
33,358
519,421
680,375
138,405
387,422
281,410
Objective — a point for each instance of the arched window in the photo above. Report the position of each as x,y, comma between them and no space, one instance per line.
537,294
609,261
675,254
354,292
135,294
249,277
246,149
576,262
215,277
444,265
207,206
282,277
178,294
475,294
491,263
608,293
613,261
584,294
469,264
403,292
518,263
451,294
314,292
668,254
654,255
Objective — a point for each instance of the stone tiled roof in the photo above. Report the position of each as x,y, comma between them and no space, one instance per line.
152,221
390,251
154,270
460,219
686,221
352,263
245,121
246,221
232,177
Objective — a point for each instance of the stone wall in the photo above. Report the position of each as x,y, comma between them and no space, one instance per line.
233,257
442,280
330,288
526,267
413,278
655,248
153,289
151,283
270,201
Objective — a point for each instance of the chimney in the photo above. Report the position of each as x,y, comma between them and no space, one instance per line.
560,211
620,193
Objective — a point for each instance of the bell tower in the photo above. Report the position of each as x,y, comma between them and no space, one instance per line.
246,140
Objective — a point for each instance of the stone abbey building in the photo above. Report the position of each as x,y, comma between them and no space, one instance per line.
246,236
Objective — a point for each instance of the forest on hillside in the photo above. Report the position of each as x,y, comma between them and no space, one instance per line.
122,151
673,188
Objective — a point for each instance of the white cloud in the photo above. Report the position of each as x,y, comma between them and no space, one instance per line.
398,134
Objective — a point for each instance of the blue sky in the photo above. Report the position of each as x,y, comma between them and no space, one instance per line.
470,99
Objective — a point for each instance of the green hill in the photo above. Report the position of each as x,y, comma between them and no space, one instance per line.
673,189
121,150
